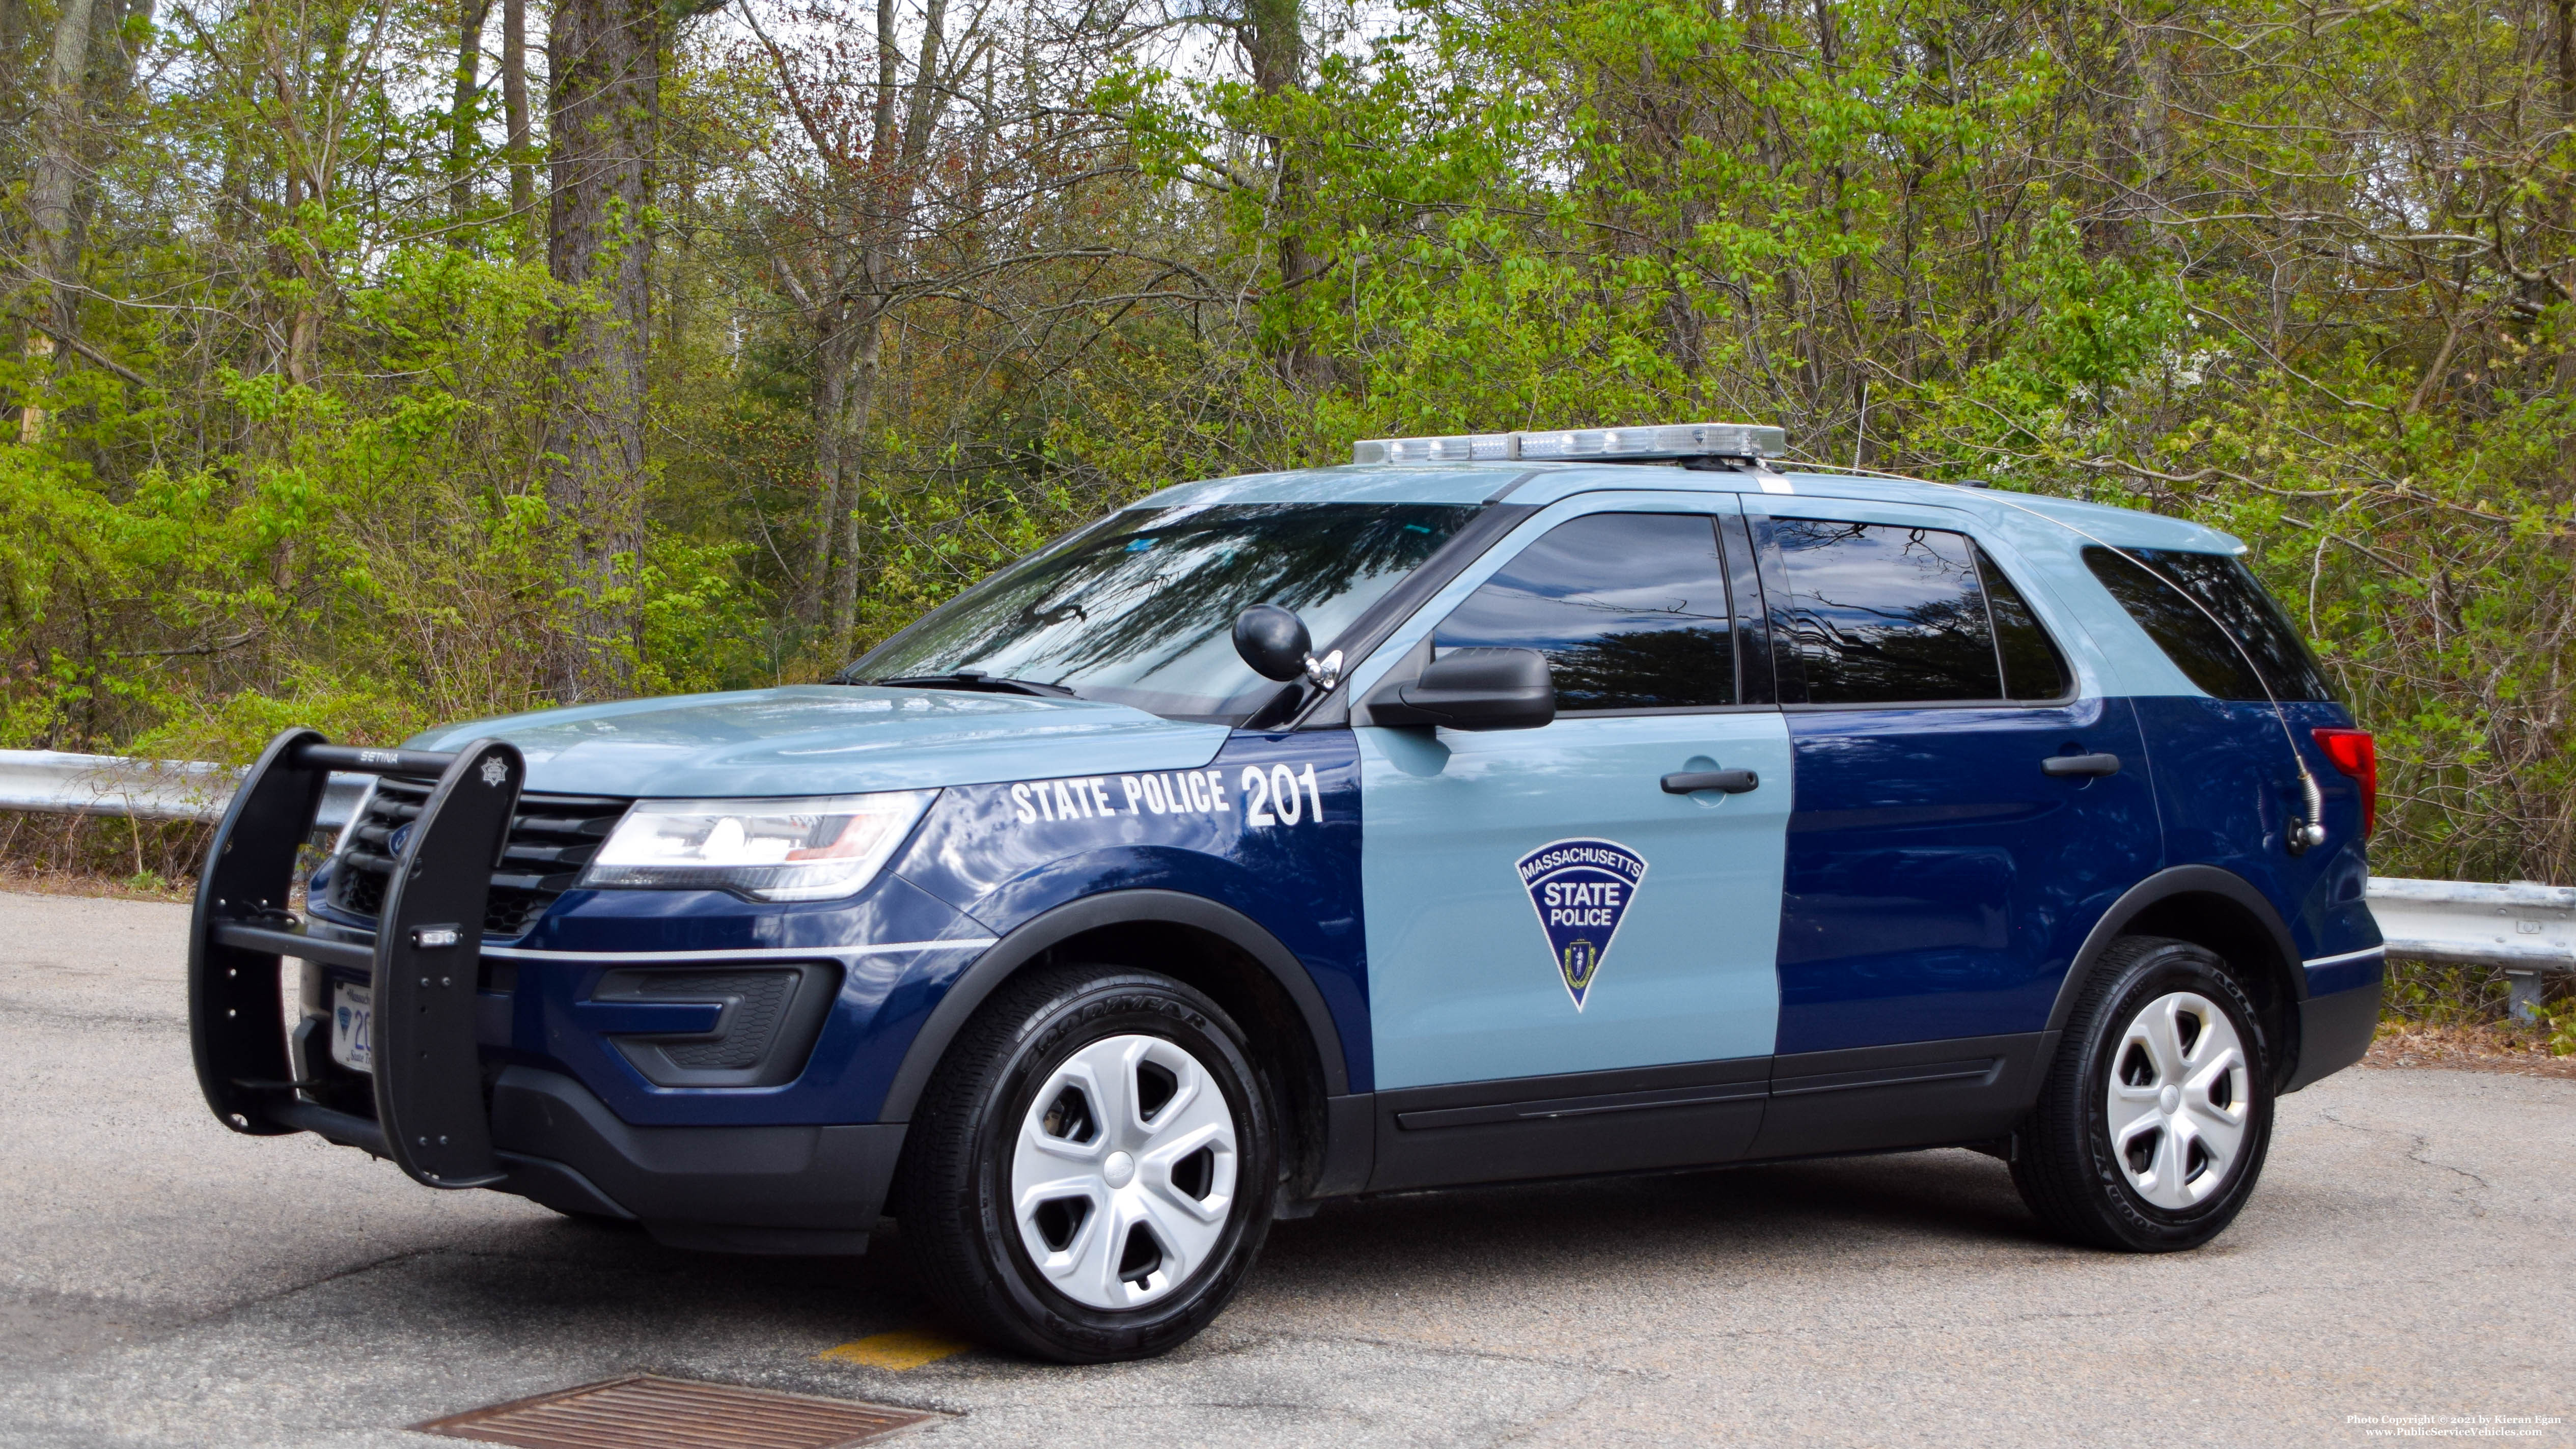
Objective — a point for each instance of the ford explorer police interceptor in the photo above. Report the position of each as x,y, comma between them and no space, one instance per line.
1492,809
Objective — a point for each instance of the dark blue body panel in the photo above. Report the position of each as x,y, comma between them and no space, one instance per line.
1938,883
548,1020
1300,879
2229,794
984,860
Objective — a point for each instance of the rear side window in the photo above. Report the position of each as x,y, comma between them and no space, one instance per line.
2207,653
2033,669
1630,609
1885,614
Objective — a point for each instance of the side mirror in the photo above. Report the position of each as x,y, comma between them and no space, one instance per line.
1275,643
1471,689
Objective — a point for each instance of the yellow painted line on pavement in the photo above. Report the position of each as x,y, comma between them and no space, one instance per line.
905,1348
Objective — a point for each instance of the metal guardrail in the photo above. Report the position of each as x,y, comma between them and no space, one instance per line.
2525,928
143,789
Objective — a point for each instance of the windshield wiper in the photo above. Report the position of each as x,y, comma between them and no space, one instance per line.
975,679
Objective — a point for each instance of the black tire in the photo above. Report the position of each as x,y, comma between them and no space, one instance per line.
2068,1168
952,1191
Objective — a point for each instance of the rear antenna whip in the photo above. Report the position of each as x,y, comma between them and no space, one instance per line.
2310,831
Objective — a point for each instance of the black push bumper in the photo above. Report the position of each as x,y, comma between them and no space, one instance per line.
429,939
800,1189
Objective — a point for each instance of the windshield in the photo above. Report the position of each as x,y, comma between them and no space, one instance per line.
1139,608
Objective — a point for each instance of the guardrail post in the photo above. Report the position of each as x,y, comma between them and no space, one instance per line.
2522,983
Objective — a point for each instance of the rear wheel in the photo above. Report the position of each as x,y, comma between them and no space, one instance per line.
2152,1126
1088,1174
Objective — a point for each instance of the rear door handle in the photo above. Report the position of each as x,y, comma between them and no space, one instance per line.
2104,764
1733,782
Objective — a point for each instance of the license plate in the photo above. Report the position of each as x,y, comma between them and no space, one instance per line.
353,1026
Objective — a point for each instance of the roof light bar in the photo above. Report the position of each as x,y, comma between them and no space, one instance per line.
1577,445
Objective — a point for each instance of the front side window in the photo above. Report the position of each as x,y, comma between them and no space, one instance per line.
1139,609
1630,609
1893,614
2212,653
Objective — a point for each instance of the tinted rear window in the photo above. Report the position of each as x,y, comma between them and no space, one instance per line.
1630,609
2207,653
1882,613
2033,669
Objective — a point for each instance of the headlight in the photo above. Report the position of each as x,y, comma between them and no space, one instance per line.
815,849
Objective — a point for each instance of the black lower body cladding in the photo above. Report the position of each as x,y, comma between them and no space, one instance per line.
2334,1032
790,1189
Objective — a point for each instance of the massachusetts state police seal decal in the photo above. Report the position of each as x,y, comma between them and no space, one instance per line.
1581,889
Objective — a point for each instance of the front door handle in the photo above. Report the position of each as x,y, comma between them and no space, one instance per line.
1733,782
2102,764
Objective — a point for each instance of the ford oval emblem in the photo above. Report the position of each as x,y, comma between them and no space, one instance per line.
402,833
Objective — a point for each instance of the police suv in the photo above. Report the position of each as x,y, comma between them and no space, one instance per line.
1496,808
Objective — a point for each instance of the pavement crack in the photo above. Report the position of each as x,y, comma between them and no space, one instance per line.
13,1009
2415,1153
1577,1365
274,1295
1530,1431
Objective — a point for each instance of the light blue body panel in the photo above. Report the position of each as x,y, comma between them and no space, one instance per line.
832,739
1464,985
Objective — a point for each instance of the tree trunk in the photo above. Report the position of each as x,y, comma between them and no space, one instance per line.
1274,44
858,410
14,21
2563,16
52,197
831,444
853,312
460,114
514,110
604,56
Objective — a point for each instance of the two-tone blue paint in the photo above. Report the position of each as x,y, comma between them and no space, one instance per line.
1901,875
985,860
1293,871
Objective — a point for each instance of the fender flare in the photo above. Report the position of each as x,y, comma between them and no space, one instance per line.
2164,885
1111,908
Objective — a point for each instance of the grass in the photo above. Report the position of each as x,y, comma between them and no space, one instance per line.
2458,1016
101,855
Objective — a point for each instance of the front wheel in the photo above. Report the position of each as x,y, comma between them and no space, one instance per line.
2151,1127
1088,1176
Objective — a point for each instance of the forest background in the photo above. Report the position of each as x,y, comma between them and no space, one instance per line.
368,363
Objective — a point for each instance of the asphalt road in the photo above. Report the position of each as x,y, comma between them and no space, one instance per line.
2412,1252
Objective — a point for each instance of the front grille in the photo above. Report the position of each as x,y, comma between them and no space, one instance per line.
551,838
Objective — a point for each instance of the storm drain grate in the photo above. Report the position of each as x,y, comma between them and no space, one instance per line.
651,1412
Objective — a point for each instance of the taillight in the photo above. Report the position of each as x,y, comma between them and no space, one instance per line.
2356,754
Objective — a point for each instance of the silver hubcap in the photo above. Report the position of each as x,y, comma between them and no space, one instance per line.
2178,1099
1124,1172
